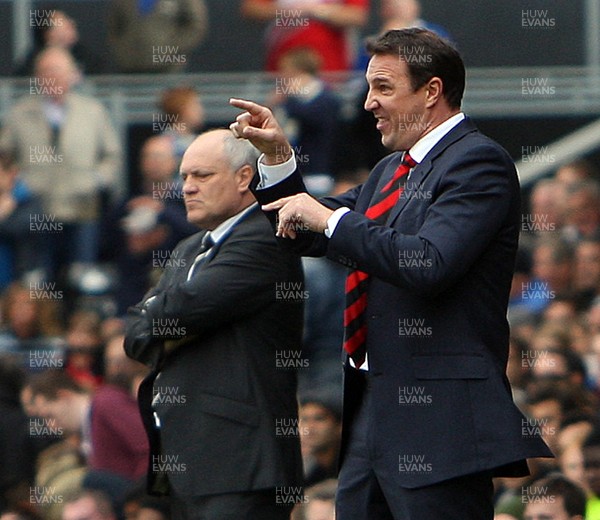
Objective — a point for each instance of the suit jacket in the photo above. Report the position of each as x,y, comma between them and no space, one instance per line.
224,398
67,174
437,335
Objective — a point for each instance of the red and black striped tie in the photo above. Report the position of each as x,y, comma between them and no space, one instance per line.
355,327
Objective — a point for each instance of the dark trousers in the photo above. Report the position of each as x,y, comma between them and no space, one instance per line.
367,494
253,505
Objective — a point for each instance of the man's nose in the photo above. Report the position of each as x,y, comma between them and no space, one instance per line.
370,102
189,187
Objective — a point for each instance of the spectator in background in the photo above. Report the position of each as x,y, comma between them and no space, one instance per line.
19,247
63,409
69,154
31,332
319,502
576,171
88,505
591,463
16,455
21,512
154,508
509,492
182,117
401,14
141,231
559,365
63,402
593,316
550,336
560,310
582,210
570,462
548,405
552,269
119,443
586,279
555,498
521,305
155,35
138,505
546,208
323,26
320,433
84,348
313,111
53,28
574,429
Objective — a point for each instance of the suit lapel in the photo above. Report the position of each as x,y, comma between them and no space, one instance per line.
374,186
420,172
412,185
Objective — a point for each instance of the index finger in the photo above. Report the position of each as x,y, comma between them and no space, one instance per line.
250,106
277,204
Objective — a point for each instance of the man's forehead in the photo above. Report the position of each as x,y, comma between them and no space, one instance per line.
384,66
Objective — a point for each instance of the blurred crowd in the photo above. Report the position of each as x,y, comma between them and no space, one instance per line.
81,240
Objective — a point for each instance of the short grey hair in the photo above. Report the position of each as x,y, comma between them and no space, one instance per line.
240,152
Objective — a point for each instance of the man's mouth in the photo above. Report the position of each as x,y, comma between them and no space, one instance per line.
381,122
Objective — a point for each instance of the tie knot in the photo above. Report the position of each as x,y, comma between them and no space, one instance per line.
207,242
407,160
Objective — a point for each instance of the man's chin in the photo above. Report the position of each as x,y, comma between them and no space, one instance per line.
387,142
194,220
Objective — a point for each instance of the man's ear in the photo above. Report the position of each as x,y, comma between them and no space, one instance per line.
244,175
434,91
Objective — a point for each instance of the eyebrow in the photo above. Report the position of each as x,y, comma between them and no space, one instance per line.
380,79
197,172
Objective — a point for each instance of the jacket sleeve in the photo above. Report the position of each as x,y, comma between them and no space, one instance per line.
306,243
241,281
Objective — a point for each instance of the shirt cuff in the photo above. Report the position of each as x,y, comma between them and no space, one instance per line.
272,174
334,220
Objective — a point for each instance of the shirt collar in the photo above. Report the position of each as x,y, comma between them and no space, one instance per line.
424,145
223,228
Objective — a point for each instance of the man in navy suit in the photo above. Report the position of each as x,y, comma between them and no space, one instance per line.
430,239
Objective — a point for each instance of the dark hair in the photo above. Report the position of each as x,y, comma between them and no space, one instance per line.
557,485
172,101
12,378
7,159
50,382
305,59
562,251
584,167
427,56
324,398
593,438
